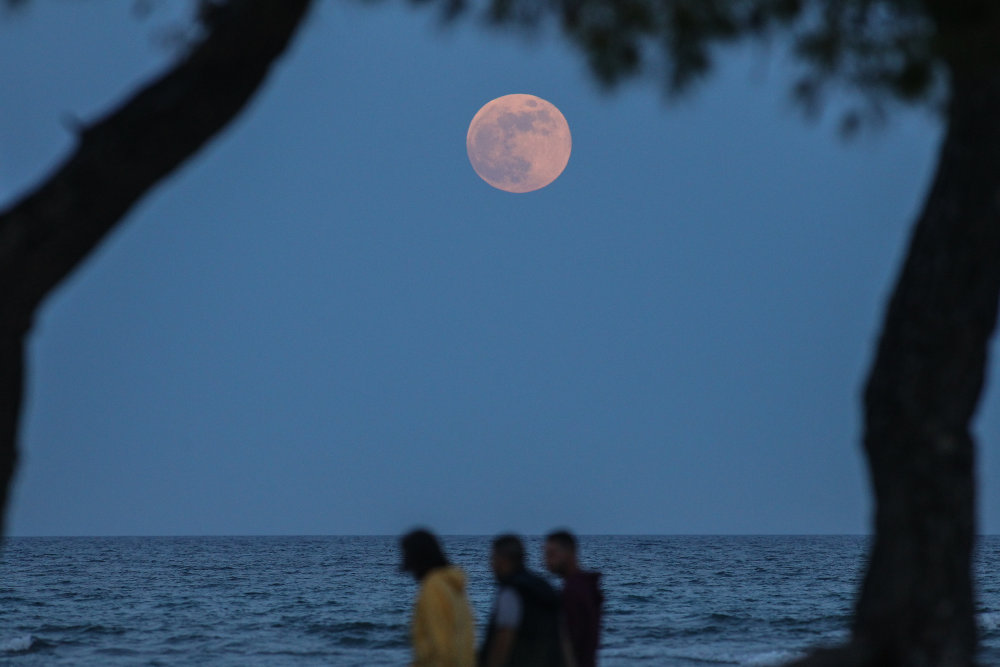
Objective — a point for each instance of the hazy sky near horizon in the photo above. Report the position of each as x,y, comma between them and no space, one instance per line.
327,323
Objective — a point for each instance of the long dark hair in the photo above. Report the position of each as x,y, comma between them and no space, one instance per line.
421,553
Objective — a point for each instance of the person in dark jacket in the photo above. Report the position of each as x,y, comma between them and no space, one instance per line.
582,598
524,627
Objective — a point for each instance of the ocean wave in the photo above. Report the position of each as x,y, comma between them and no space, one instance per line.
345,626
770,658
360,634
721,655
17,644
83,629
989,621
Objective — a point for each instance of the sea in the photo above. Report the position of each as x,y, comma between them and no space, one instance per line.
670,600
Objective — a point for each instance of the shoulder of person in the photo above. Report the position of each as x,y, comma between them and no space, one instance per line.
534,587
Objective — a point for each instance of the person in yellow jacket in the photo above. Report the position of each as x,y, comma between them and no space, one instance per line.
443,630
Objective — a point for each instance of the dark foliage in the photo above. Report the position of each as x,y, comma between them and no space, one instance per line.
882,51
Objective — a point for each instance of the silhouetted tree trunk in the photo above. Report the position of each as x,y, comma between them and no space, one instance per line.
916,606
11,388
120,158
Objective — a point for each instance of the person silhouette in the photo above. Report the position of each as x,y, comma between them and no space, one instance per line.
582,598
442,629
524,627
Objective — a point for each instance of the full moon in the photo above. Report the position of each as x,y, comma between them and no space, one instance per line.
518,143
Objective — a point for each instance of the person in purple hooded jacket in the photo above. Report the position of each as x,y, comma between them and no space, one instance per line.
582,598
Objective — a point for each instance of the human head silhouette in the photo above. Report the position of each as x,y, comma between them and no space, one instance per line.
421,553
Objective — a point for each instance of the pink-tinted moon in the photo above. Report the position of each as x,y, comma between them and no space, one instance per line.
518,143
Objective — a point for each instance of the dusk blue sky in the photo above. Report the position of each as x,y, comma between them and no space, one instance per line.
327,323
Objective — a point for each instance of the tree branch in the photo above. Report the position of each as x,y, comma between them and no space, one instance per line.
45,235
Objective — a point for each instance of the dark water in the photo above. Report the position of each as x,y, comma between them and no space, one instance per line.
340,601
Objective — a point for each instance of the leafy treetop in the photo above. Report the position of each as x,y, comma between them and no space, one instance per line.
882,51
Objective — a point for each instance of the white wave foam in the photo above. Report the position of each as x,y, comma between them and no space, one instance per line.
771,658
17,644
722,655
989,621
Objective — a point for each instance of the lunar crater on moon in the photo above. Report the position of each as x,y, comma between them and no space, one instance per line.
518,143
